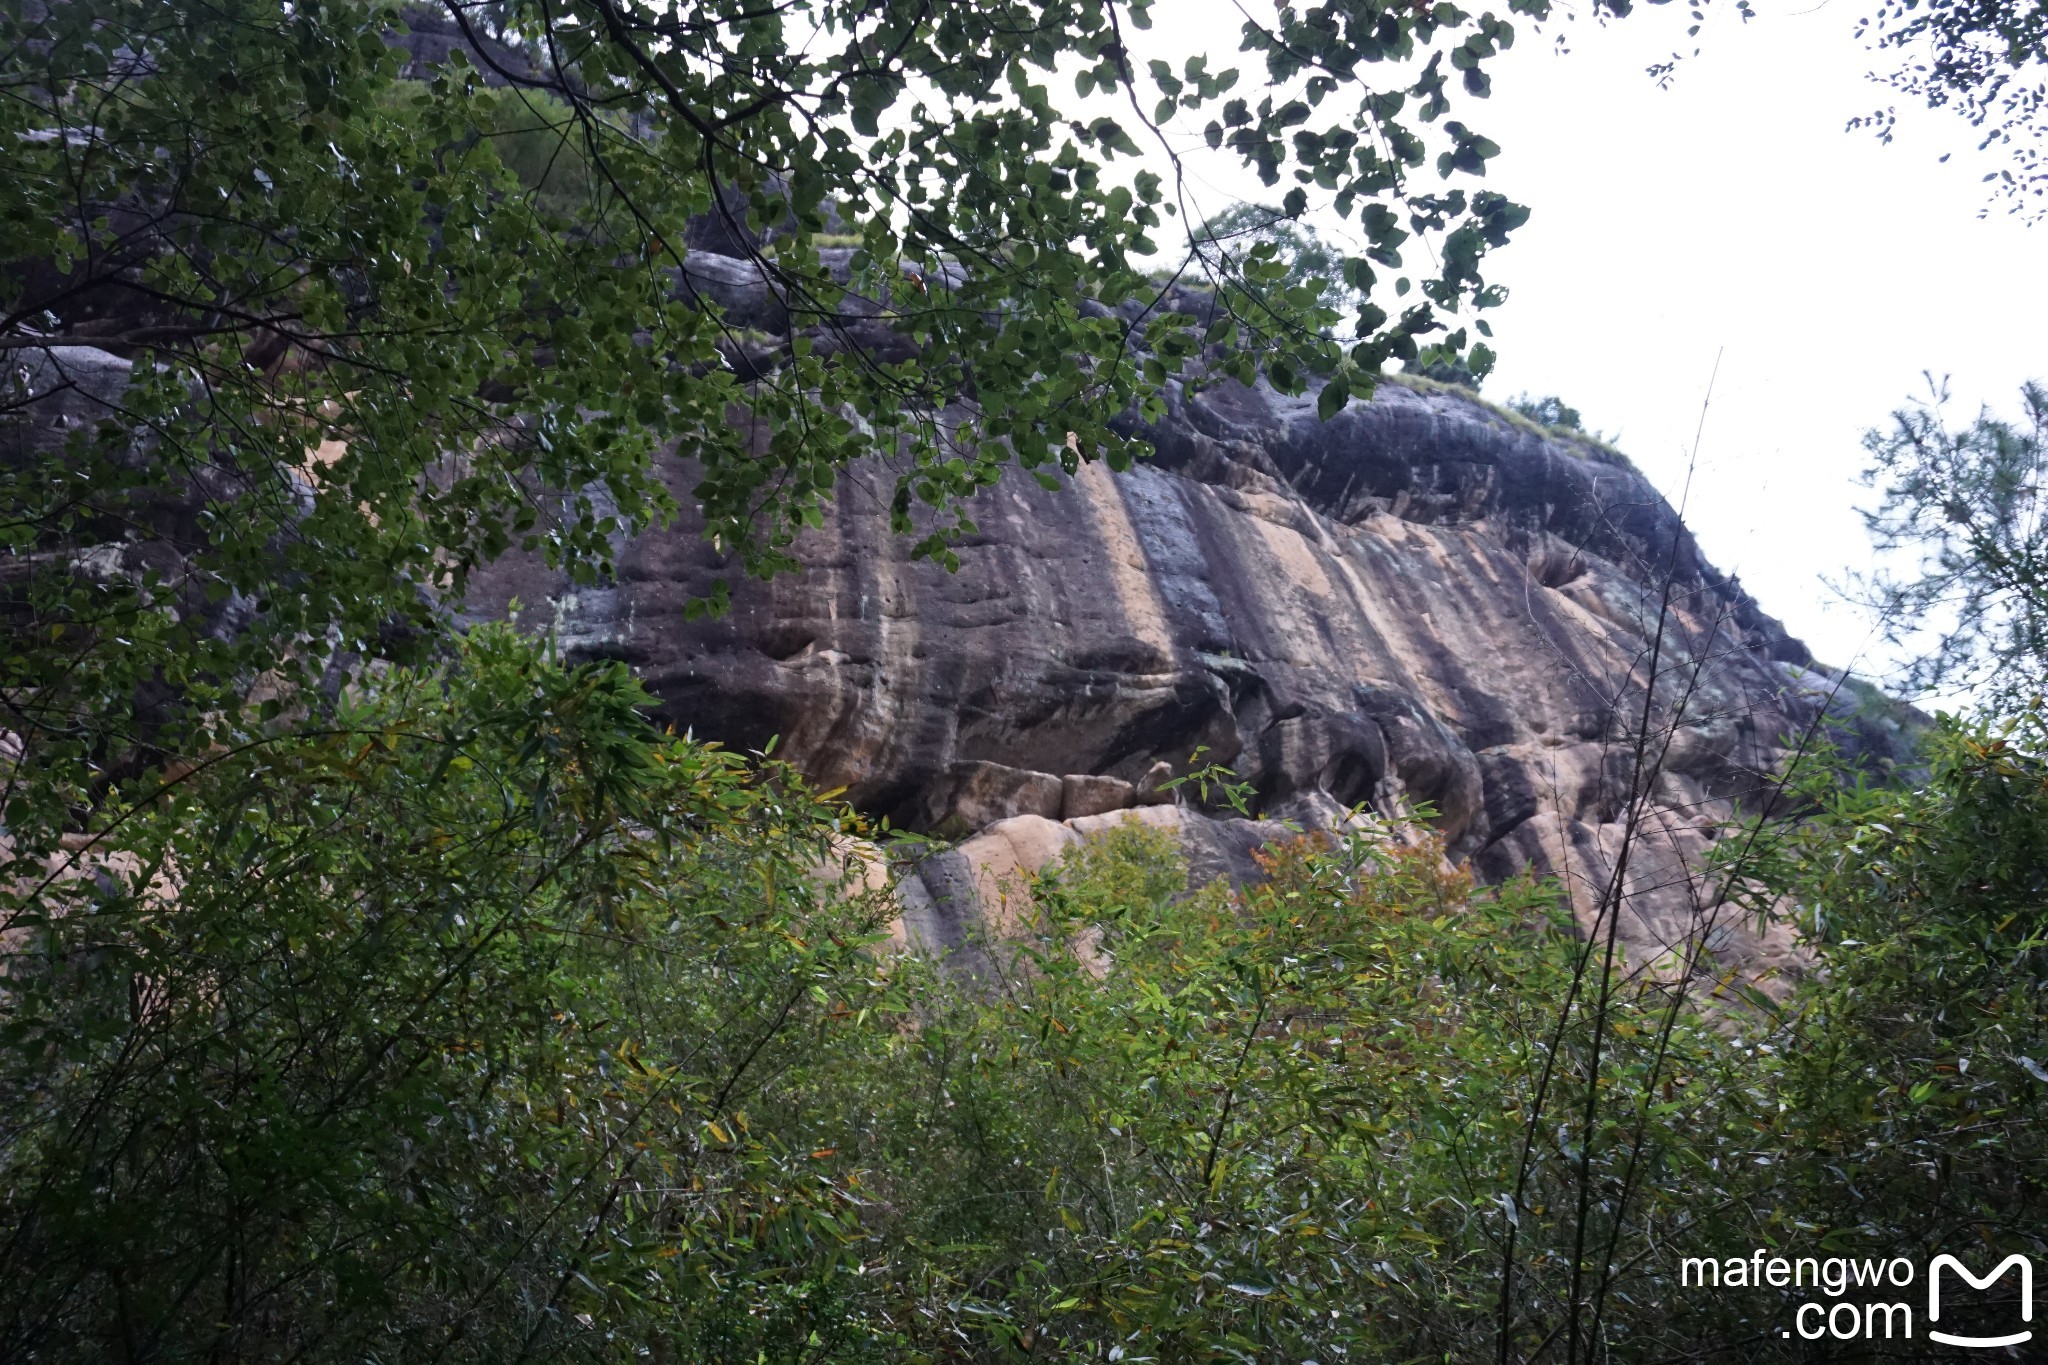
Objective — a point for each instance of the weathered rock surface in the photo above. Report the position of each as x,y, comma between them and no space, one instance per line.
1420,602
1416,602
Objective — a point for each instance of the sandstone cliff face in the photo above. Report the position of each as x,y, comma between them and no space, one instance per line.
1419,602
1416,602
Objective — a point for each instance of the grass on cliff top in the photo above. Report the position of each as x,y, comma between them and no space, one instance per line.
1585,446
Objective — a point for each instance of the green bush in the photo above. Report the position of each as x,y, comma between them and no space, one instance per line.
1275,1123
481,1021
1550,411
427,1033
1916,1060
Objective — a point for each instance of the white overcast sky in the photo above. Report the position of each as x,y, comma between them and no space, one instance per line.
1732,213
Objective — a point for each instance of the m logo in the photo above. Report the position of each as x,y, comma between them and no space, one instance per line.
2026,1299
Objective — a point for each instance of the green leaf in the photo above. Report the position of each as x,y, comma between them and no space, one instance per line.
1334,396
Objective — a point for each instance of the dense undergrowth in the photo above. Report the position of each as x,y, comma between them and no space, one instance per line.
486,1022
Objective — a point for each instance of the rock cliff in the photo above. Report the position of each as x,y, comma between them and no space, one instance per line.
1421,601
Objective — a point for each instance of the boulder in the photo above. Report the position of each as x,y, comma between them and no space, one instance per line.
976,793
1084,794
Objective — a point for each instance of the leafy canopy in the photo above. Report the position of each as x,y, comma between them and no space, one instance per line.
1986,60
1966,502
313,309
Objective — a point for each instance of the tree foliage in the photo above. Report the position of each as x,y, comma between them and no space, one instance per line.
1985,59
308,314
1549,411
1907,1075
487,1022
1967,502
428,1033
1927,1033
1302,1120
492,1025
